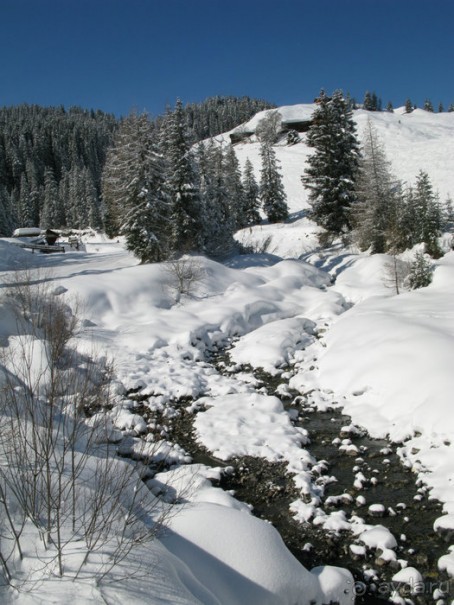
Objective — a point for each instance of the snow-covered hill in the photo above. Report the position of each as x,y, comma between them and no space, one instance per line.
415,141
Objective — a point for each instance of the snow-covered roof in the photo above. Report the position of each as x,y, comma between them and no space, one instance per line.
27,232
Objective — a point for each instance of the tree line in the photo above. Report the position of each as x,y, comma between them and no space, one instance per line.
169,198
372,102
52,159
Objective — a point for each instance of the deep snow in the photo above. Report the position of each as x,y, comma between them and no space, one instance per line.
385,357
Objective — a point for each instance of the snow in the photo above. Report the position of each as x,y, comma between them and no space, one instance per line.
223,559
378,537
214,550
385,359
410,576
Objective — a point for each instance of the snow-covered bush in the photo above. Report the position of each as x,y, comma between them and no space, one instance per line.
420,274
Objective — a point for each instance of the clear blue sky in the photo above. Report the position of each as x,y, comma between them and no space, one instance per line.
119,55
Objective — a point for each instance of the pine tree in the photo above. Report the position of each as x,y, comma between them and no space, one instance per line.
234,187
428,214
25,210
420,274
428,105
186,223
331,171
7,219
449,214
440,107
372,102
272,192
218,221
367,103
376,189
134,190
53,215
421,216
389,107
408,106
251,195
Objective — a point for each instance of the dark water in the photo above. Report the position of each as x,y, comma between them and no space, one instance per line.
409,513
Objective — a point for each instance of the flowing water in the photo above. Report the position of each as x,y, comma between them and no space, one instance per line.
407,510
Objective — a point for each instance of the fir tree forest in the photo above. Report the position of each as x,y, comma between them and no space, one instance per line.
169,188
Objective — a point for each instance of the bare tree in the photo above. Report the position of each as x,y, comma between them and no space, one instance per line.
182,276
395,274
269,127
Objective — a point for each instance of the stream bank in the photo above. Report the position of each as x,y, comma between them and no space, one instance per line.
362,479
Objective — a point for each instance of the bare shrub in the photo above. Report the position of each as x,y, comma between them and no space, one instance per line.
395,274
59,472
182,276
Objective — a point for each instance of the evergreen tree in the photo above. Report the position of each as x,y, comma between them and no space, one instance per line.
234,187
367,103
449,214
376,192
420,274
53,215
35,139
408,106
451,108
429,219
185,202
331,171
272,192
389,107
7,222
25,210
421,216
428,105
251,195
134,190
440,107
218,220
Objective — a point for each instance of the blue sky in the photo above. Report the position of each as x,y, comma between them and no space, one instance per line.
119,55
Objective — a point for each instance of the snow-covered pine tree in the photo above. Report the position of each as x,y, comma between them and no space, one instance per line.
448,214
251,195
81,199
134,190
428,105
272,193
420,274
7,219
25,210
52,215
234,187
428,215
218,224
367,103
408,106
376,190
185,205
331,171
